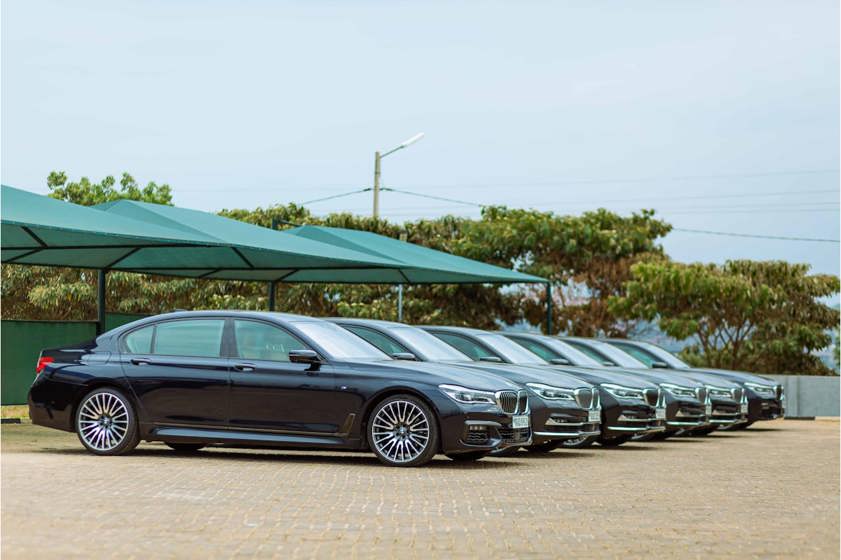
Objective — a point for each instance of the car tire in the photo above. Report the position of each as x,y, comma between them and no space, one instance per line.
467,457
403,432
578,443
106,423
614,441
547,447
184,447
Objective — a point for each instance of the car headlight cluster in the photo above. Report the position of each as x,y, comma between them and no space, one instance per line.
468,396
623,392
719,392
764,390
551,393
679,390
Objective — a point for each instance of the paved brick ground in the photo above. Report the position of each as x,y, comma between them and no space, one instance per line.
771,491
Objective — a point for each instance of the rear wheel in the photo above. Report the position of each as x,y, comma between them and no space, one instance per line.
185,447
106,423
466,457
403,432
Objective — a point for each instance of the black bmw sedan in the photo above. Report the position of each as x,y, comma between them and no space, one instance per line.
190,379
563,407
630,404
765,399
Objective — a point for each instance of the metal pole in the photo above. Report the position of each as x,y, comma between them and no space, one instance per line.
271,296
548,308
100,302
377,159
400,303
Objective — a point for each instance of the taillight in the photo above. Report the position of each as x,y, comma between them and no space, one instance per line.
42,363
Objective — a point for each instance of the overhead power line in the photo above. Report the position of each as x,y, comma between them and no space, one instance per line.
757,236
335,196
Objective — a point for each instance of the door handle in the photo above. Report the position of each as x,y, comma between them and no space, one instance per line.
244,367
141,361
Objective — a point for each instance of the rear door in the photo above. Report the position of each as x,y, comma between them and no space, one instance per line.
177,371
270,393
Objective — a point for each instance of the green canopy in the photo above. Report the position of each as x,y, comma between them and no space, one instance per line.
418,264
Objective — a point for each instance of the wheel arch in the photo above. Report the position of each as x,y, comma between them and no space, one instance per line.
392,392
103,383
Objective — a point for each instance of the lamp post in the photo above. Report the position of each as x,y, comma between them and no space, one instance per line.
377,157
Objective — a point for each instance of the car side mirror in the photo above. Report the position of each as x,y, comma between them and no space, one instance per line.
659,365
408,356
560,362
492,359
304,357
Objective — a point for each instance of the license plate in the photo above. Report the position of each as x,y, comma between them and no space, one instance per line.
520,421
708,410
660,414
594,416
744,408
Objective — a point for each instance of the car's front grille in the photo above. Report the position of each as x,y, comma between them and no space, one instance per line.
652,396
737,394
779,391
701,393
510,435
513,402
584,397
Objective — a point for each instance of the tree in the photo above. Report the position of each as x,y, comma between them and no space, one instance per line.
86,193
749,315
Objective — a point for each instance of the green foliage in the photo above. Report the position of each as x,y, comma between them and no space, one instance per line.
749,315
88,194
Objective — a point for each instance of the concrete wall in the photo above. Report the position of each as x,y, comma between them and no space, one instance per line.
809,395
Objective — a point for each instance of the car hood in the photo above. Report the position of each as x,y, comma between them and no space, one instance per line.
604,375
438,374
737,376
528,374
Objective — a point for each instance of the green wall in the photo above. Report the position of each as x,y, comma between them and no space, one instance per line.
22,341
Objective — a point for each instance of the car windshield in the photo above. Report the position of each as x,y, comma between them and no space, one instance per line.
575,356
510,350
615,355
338,342
663,355
432,348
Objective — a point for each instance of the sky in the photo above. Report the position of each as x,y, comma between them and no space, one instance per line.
722,116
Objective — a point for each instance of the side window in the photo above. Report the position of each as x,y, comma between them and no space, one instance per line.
637,353
463,345
261,341
537,348
379,340
139,341
189,337
601,358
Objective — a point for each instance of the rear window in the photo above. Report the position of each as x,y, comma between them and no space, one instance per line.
139,341
200,338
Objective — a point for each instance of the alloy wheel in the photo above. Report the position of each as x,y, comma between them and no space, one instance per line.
103,421
400,431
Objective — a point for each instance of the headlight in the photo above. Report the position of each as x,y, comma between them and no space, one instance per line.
623,392
764,390
679,391
719,392
551,393
468,396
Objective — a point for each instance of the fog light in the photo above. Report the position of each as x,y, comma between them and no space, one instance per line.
477,428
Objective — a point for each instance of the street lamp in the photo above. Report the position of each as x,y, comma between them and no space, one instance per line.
377,158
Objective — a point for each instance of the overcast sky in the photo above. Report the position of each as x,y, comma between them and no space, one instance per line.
723,116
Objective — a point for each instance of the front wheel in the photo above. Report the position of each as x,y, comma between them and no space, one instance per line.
579,442
106,423
403,432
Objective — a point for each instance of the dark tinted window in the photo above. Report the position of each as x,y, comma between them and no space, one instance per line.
537,348
465,346
379,340
638,353
139,341
189,337
261,341
601,358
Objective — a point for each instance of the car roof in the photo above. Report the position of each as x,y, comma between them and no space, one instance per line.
361,321
463,330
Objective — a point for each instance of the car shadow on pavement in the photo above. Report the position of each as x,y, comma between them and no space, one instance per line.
282,456
553,456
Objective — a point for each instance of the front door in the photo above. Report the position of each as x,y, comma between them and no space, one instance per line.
177,371
270,393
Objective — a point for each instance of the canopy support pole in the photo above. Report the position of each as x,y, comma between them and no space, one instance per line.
271,295
100,301
548,308
400,303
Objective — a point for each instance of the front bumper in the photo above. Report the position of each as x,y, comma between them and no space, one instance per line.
631,419
558,423
686,415
480,428
726,413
